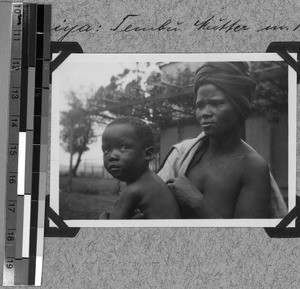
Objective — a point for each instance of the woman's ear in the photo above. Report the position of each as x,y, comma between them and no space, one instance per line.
149,153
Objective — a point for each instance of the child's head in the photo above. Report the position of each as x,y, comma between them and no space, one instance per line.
127,145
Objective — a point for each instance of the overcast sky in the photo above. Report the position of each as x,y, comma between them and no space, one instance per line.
84,74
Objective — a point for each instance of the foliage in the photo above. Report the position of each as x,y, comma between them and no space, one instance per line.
271,94
77,129
162,99
145,98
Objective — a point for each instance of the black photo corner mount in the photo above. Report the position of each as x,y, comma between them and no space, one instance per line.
62,230
281,230
64,49
283,49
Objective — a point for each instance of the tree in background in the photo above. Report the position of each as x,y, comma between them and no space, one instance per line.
164,100
145,97
179,92
159,99
271,94
270,98
78,130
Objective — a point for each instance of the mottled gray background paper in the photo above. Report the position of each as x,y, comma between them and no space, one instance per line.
173,257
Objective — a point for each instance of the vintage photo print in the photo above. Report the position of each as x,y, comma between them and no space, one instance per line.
206,140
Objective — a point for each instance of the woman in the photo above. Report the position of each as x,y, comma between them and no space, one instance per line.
217,174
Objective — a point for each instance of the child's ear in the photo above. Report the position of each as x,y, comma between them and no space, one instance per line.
149,153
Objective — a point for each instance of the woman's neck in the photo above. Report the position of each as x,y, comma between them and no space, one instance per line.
224,144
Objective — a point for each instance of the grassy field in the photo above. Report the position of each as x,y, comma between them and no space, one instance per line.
89,197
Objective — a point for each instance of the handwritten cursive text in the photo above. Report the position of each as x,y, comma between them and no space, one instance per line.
71,29
166,26
226,27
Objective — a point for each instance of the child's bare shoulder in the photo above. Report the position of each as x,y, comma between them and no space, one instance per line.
135,189
148,184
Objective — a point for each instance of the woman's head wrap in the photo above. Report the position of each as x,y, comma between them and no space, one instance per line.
231,78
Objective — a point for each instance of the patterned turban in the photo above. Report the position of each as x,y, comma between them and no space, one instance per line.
231,78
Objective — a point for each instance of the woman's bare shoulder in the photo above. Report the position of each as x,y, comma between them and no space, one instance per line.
253,161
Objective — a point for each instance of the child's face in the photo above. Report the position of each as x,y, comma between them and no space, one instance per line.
123,155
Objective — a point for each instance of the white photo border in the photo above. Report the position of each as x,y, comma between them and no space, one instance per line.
183,57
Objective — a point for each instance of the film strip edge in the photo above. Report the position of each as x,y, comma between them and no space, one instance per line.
13,145
27,148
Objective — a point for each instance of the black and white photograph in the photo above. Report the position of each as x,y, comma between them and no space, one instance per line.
173,140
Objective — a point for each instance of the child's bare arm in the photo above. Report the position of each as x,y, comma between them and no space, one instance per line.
125,206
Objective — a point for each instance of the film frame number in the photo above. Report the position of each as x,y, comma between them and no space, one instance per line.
16,65
12,206
9,263
14,122
17,8
10,236
15,94
12,179
13,150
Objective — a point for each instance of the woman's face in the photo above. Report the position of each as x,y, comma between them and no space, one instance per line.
214,112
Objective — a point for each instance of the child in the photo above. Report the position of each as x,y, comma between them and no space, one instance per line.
127,145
